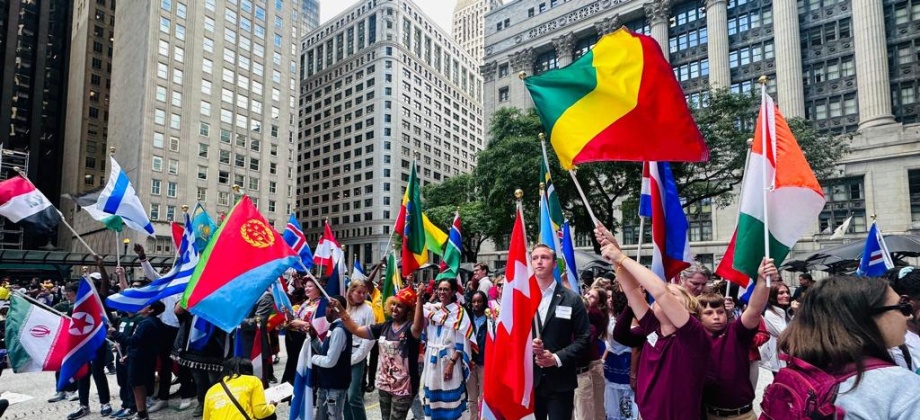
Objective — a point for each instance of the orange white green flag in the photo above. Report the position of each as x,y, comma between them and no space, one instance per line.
224,286
780,194
619,101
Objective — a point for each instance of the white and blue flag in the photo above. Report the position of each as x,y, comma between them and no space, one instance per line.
119,198
876,260
302,401
357,273
172,283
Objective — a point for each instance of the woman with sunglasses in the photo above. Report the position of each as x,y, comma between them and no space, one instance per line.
843,324
906,282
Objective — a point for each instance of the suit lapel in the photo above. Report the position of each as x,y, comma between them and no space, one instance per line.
551,312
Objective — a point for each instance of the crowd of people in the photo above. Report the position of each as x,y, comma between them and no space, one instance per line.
694,352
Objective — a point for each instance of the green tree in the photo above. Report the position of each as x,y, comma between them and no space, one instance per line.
458,192
727,122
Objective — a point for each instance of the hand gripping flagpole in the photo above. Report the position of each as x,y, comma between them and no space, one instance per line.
63,220
767,187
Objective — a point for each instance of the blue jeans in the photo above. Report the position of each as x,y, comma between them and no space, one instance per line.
354,407
330,404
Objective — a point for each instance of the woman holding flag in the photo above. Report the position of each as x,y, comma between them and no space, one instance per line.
448,331
398,339
294,336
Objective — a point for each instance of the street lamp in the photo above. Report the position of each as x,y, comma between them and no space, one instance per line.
126,242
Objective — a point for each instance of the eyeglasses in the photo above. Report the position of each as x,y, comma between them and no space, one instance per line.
903,306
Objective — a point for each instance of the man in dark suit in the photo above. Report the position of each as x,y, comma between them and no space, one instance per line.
562,343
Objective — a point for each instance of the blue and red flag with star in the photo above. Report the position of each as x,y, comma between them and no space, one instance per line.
84,336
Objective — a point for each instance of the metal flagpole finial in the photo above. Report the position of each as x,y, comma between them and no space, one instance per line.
763,79
416,154
236,188
750,141
873,216
112,150
542,188
185,208
522,75
542,137
518,193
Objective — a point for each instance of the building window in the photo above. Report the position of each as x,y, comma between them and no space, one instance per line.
845,198
202,194
503,94
699,218
204,129
203,172
173,167
156,165
170,213
545,61
154,212
223,198
171,188
155,186
913,185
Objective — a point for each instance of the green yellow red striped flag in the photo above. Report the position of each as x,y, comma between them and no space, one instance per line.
620,101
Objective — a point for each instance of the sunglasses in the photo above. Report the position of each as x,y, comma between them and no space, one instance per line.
903,306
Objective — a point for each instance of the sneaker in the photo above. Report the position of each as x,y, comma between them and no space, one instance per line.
110,371
157,406
185,403
126,414
199,411
118,413
60,396
72,396
106,410
83,411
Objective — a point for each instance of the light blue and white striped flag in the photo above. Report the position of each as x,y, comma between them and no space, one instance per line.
302,401
119,198
172,283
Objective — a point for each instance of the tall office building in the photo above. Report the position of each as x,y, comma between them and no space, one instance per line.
380,82
203,99
34,42
309,16
849,66
469,22
86,122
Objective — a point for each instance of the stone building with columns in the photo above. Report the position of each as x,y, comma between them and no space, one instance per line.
849,66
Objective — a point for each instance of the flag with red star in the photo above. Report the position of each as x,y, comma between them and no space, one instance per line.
85,334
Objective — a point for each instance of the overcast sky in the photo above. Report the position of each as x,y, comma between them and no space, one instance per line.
441,11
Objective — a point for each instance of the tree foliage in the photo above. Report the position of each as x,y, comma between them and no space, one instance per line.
512,159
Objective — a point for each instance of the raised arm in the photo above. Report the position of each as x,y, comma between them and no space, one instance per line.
350,324
418,321
671,307
751,316
122,278
142,257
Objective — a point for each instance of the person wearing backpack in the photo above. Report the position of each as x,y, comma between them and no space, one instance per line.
728,392
838,364
676,347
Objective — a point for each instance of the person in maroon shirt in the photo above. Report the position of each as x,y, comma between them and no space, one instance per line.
675,354
727,391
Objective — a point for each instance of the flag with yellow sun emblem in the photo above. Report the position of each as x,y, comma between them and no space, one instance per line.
242,259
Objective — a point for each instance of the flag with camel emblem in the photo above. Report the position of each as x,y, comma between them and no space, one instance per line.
224,286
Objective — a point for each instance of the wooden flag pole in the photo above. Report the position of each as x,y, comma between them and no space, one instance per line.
584,198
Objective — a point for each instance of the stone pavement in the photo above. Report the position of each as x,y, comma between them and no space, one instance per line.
40,386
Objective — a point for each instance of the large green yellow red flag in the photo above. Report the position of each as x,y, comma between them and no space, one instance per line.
620,101
392,283
241,261
410,224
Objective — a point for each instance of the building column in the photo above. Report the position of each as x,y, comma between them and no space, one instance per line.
563,45
522,61
658,13
717,47
789,89
874,89
607,25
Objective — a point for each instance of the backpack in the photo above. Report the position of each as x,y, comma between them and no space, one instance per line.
802,391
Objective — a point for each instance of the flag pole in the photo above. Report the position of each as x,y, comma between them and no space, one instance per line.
584,199
766,188
63,220
117,254
641,238
519,195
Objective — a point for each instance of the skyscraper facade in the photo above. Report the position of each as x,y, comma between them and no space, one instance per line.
34,43
468,24
380,83
848,66
86,122
309,15
203,98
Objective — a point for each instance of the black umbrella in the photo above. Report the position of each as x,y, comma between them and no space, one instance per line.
846,257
